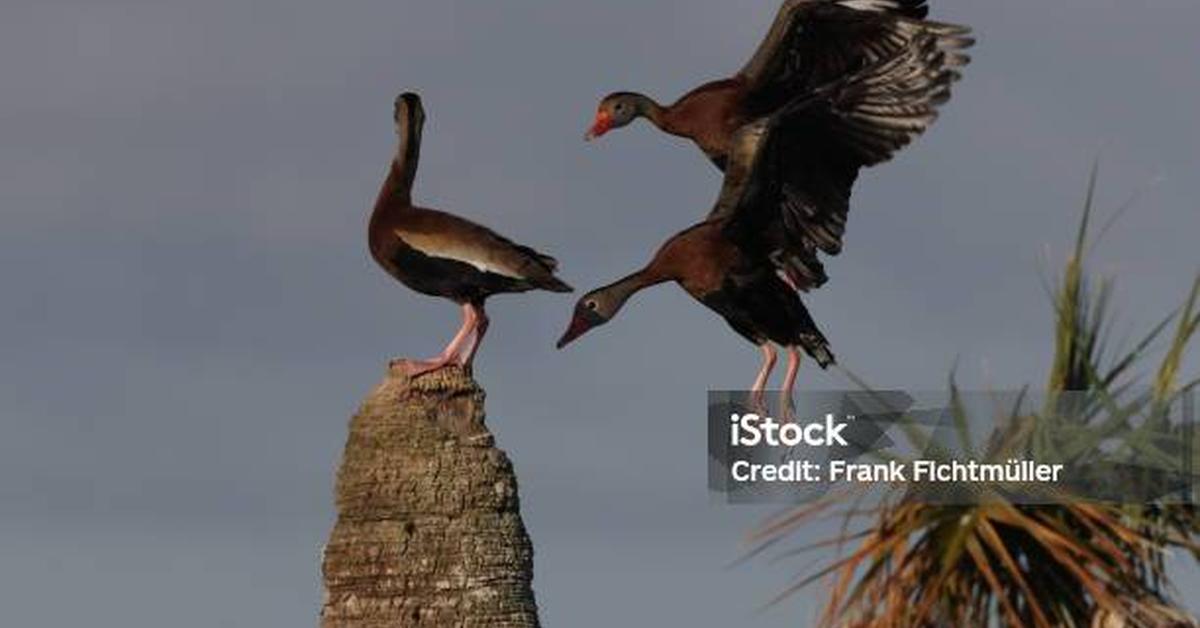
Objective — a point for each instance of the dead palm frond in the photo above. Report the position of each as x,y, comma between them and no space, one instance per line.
1070,562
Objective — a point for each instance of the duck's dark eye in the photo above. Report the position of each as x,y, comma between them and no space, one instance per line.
619,107
591,305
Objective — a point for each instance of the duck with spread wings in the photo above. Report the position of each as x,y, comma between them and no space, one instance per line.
748,261
811,45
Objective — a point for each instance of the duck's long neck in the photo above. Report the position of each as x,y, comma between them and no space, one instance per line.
624,289
408,154
649,109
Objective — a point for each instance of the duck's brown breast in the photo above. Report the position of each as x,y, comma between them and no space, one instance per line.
699,259
709,115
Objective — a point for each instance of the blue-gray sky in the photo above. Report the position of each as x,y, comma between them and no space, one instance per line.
190,315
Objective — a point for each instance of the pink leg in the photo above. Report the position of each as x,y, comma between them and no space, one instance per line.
764,374
414,368
467,359
786,404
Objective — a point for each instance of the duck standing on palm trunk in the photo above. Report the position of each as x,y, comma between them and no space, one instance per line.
442,255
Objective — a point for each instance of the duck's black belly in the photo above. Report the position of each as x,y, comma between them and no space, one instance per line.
441,277
761,308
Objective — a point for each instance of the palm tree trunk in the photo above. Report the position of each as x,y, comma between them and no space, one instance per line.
429,531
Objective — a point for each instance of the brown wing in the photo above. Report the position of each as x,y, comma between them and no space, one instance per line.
442,235
787,187
814,42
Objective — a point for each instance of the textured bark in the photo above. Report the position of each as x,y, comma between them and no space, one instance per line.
429,531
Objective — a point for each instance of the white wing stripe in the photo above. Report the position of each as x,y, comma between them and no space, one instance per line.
458,254
869,5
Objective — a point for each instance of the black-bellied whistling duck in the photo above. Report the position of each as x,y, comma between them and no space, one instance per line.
734,282
810,44
743,261
442,255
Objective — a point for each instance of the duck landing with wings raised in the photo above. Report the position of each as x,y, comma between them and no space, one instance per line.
442,255
811,46
838,85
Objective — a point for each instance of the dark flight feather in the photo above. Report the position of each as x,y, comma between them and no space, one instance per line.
814,42
788,181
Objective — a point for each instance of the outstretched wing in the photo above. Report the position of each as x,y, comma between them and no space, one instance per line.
787,187
814,42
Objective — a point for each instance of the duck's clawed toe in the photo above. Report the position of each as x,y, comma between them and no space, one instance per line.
417,368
